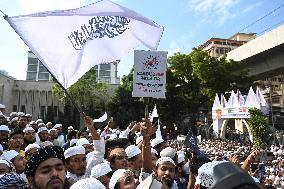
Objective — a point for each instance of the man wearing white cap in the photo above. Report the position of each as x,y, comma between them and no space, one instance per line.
61,136
2,108
53,137
16,140
29,136
23,121
42,134
75,160
102,172
165,171
4,133
18,162
134,159
122,179
3,119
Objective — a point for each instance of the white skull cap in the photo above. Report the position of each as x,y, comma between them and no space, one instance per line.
82,141
115,176
4,128
9,155
41,129
100,170
31,146
3,161
88,183
72,151
132,151
57,126
165,159
205,173
28,129
168,152
156,141
73,141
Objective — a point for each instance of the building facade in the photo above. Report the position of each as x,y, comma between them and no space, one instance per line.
106,73
35,69
217,47
33,97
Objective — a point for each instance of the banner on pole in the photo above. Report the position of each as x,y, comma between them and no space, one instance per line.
70,42
149,79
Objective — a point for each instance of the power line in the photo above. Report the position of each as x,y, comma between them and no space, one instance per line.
271,27
268,14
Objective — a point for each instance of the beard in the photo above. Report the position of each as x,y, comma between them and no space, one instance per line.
29,142
168,181
50,182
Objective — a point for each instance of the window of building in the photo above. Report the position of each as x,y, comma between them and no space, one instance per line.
42,68
32,61
42,111
276,100
104,67
55,109
43,76
23,108
31,76
32,68
15,108
104,73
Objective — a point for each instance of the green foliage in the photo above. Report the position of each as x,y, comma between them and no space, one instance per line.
123,107
258,127
87,93
217,74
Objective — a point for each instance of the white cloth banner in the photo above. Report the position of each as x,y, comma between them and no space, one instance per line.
70,42
149,79
101,119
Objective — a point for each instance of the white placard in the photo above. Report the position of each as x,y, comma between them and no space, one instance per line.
149,79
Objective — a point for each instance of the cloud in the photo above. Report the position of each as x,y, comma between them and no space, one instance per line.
251,7
213,10
182,44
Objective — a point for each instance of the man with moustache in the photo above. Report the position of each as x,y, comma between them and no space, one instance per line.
165,171
75,161
16,140
29,137
46,170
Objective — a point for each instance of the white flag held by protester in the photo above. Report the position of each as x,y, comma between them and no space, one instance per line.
101,119
70,42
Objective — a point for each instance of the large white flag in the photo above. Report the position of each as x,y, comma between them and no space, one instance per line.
70,42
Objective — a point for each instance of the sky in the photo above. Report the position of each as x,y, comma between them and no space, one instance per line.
187,24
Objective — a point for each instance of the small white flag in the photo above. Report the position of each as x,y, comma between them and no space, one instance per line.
70,42
101,119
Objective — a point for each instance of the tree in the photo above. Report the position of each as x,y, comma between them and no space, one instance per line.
218,75
123,107
258,127
85,93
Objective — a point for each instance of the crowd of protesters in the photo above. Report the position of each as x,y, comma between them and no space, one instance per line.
40,155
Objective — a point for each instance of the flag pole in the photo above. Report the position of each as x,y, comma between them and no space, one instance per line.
80,110
147,100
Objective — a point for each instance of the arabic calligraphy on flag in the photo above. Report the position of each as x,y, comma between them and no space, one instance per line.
149,79
70,42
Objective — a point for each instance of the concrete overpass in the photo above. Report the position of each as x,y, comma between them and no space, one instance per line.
262,56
